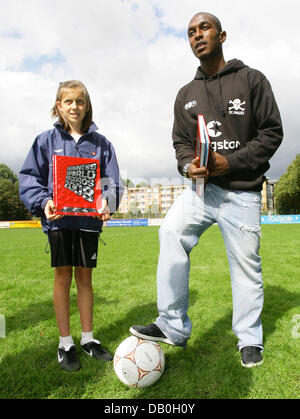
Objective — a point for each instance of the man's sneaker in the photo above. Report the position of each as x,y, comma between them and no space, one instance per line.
152,332
67,359
95,350
251,356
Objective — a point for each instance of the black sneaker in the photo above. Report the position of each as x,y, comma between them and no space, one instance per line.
68,360
251,356
152,332
95,350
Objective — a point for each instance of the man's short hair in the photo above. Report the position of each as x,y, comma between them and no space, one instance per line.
213,17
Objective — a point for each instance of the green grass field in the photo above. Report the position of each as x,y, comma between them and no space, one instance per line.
125,294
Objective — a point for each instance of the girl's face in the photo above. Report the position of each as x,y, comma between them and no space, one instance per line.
73,107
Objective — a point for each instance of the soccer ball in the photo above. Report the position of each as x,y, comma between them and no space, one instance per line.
139,362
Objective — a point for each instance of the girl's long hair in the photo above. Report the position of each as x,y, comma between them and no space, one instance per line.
73,84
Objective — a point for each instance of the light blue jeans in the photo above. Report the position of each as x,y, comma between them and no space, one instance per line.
237,214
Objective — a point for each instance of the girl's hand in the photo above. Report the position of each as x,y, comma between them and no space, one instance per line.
50,210
104,212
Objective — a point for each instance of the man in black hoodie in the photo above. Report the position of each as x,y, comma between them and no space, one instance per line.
245,129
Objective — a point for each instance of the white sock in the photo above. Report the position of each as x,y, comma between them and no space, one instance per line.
86,337
66,342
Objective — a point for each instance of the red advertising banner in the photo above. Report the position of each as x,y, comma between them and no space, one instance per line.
76,185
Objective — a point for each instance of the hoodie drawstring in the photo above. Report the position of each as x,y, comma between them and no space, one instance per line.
223,112
222,107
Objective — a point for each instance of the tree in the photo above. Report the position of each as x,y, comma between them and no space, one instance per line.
128,183
142,185
11,208
134,210
7,173
6,194
287,190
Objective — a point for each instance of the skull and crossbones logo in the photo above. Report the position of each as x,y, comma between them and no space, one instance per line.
236,105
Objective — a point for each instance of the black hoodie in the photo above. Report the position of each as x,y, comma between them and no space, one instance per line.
242,118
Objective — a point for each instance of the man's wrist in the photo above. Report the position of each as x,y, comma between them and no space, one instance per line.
185,169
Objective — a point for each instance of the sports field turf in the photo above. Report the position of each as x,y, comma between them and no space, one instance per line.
125,294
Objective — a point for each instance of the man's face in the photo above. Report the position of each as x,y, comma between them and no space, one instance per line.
205,38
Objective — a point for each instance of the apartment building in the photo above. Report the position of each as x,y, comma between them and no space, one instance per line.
158,199
268,201
149,199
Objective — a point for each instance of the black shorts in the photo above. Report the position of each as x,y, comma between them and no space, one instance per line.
73,248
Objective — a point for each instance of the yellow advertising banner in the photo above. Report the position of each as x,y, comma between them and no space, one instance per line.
25,224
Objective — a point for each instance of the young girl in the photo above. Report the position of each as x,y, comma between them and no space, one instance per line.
73,239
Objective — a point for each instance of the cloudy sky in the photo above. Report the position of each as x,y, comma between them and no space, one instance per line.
133,56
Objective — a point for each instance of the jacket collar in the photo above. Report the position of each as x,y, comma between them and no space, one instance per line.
92,128
231,67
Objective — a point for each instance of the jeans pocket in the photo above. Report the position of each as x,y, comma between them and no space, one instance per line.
249,199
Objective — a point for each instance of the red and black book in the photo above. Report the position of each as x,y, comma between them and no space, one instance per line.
76,185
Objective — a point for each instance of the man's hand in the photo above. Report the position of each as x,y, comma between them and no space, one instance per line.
217,164
104,212
195,171
50,210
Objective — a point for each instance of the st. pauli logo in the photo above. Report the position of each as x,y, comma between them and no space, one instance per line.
76,185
